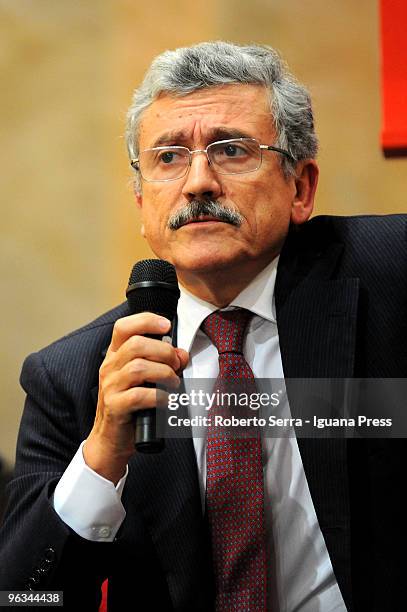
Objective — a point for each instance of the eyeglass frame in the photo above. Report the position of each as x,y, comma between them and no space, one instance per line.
135,163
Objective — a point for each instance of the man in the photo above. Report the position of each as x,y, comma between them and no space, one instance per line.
223,144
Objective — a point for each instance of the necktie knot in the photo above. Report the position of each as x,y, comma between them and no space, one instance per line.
226,329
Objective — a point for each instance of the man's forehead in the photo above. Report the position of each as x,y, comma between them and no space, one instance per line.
228,111
221,132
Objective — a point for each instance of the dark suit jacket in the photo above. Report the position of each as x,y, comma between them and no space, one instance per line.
5,475
341,297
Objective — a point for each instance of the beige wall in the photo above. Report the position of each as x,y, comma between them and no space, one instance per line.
69,231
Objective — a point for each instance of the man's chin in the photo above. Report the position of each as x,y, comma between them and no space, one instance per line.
205,262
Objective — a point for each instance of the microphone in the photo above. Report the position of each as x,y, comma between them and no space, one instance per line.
153,287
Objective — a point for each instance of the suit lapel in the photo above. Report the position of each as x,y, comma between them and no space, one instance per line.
316,315
316,318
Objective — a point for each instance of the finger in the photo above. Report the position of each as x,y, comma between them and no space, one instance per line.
140,371
183,356
138,324
119,410
146,348
137,373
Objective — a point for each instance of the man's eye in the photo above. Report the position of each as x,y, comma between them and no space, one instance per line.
167,157
232,150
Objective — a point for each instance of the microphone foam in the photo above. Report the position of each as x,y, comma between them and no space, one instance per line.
153,287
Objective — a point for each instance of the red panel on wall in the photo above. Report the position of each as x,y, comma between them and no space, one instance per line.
394,76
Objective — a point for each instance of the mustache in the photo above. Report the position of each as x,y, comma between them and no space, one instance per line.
198,208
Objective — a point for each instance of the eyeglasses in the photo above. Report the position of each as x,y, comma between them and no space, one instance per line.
234,156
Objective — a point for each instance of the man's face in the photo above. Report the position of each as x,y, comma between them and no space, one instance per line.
265,199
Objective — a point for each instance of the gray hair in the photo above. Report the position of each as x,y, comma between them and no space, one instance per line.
211,64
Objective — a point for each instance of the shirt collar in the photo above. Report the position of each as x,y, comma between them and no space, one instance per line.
258,297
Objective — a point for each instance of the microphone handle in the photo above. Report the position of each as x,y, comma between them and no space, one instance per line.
146,440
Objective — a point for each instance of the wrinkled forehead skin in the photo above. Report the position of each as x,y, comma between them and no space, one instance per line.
243,110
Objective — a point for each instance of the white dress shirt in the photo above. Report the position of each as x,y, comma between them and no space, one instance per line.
301,576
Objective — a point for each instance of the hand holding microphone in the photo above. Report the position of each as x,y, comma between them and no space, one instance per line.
153,287
136,357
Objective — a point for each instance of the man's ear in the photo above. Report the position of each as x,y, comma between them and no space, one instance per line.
306,182
139,203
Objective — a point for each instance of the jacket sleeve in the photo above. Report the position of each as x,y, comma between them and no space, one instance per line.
38,550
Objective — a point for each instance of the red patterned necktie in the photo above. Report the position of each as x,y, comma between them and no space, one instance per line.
234,482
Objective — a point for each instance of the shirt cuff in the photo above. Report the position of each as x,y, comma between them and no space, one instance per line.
88,503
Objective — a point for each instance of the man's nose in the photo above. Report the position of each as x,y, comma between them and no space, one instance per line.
201,179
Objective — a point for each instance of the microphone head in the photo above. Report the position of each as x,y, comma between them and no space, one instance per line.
153,287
